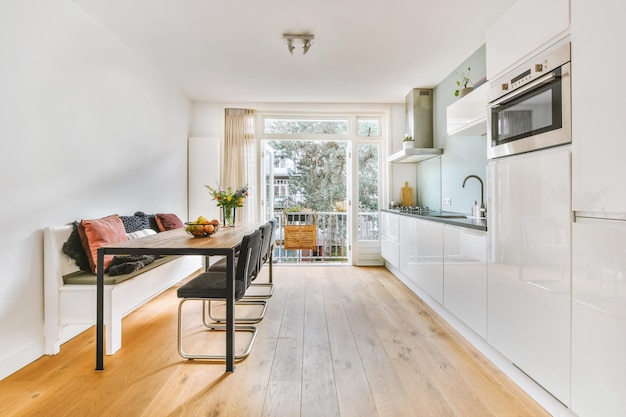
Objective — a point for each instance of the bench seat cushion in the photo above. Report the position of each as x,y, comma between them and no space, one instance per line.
87,278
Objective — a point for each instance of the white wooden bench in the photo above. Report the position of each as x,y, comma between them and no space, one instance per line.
70,309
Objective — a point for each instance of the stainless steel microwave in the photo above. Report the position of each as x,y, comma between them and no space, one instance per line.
531,107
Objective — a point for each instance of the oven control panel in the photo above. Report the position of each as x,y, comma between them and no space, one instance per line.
529,71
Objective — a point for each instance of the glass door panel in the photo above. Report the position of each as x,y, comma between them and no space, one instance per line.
367,208
268,182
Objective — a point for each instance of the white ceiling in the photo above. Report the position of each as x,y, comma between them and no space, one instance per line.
365,51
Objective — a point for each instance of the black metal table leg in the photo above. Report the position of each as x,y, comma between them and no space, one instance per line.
100,312
230,312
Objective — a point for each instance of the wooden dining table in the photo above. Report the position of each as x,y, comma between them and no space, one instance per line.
225,242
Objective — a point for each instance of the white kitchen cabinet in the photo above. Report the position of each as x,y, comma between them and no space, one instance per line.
465,276
599,245
599,318
468,115
390,237
527,27
408,247
598,34
529,272
421,254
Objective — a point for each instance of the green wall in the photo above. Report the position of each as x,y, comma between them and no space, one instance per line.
462,155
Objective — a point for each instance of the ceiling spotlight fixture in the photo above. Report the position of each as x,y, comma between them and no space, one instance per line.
305,40
290,45
306,46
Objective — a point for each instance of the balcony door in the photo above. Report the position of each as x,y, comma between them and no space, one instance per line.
328,165
310,193
366,192
267,183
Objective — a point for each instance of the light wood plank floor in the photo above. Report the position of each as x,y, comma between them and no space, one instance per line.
336,341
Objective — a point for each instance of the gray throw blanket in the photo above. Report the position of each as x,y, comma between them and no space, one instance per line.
126,264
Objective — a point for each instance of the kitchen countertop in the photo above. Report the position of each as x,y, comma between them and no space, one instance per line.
448,217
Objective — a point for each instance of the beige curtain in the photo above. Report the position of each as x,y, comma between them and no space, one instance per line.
240,157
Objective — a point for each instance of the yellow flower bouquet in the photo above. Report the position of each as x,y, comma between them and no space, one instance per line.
229,200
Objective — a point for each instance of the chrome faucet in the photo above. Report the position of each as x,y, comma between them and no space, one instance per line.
482,193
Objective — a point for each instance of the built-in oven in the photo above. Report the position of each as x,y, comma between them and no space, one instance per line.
530,106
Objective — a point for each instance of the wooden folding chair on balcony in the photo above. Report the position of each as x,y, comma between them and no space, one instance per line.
300,230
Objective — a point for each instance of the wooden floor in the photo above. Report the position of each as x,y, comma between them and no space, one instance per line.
336,341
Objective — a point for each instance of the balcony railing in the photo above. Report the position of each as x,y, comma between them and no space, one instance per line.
368,226
331,241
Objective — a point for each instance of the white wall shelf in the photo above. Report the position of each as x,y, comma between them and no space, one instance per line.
468,115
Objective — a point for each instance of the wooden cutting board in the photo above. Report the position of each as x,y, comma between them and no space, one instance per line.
407,195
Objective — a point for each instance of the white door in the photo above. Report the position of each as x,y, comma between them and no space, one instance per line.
366,204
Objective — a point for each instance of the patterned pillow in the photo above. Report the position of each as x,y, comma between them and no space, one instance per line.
138,221
152,223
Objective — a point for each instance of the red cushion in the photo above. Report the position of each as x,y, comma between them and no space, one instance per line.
168,221
99,232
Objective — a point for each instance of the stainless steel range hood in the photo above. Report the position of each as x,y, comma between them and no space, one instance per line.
419,124
419,116
414,155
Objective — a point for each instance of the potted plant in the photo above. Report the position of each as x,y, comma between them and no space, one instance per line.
463,89
408,141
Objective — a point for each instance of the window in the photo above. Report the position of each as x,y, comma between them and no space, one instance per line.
328,162
308,126
368,126
368,191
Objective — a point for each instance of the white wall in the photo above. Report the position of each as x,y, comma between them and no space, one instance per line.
207,120
87,129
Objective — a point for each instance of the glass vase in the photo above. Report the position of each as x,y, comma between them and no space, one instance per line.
228,216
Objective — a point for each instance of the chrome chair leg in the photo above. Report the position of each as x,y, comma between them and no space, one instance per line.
245,320
264,295
269,284
210,326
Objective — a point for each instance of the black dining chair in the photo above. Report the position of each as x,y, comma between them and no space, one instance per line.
267,255
252,298
211,285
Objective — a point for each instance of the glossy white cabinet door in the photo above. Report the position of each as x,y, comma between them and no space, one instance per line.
525,28
598,139
408,247
529,277
390,237
421,254
465,276
599,318
429,257
467,115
